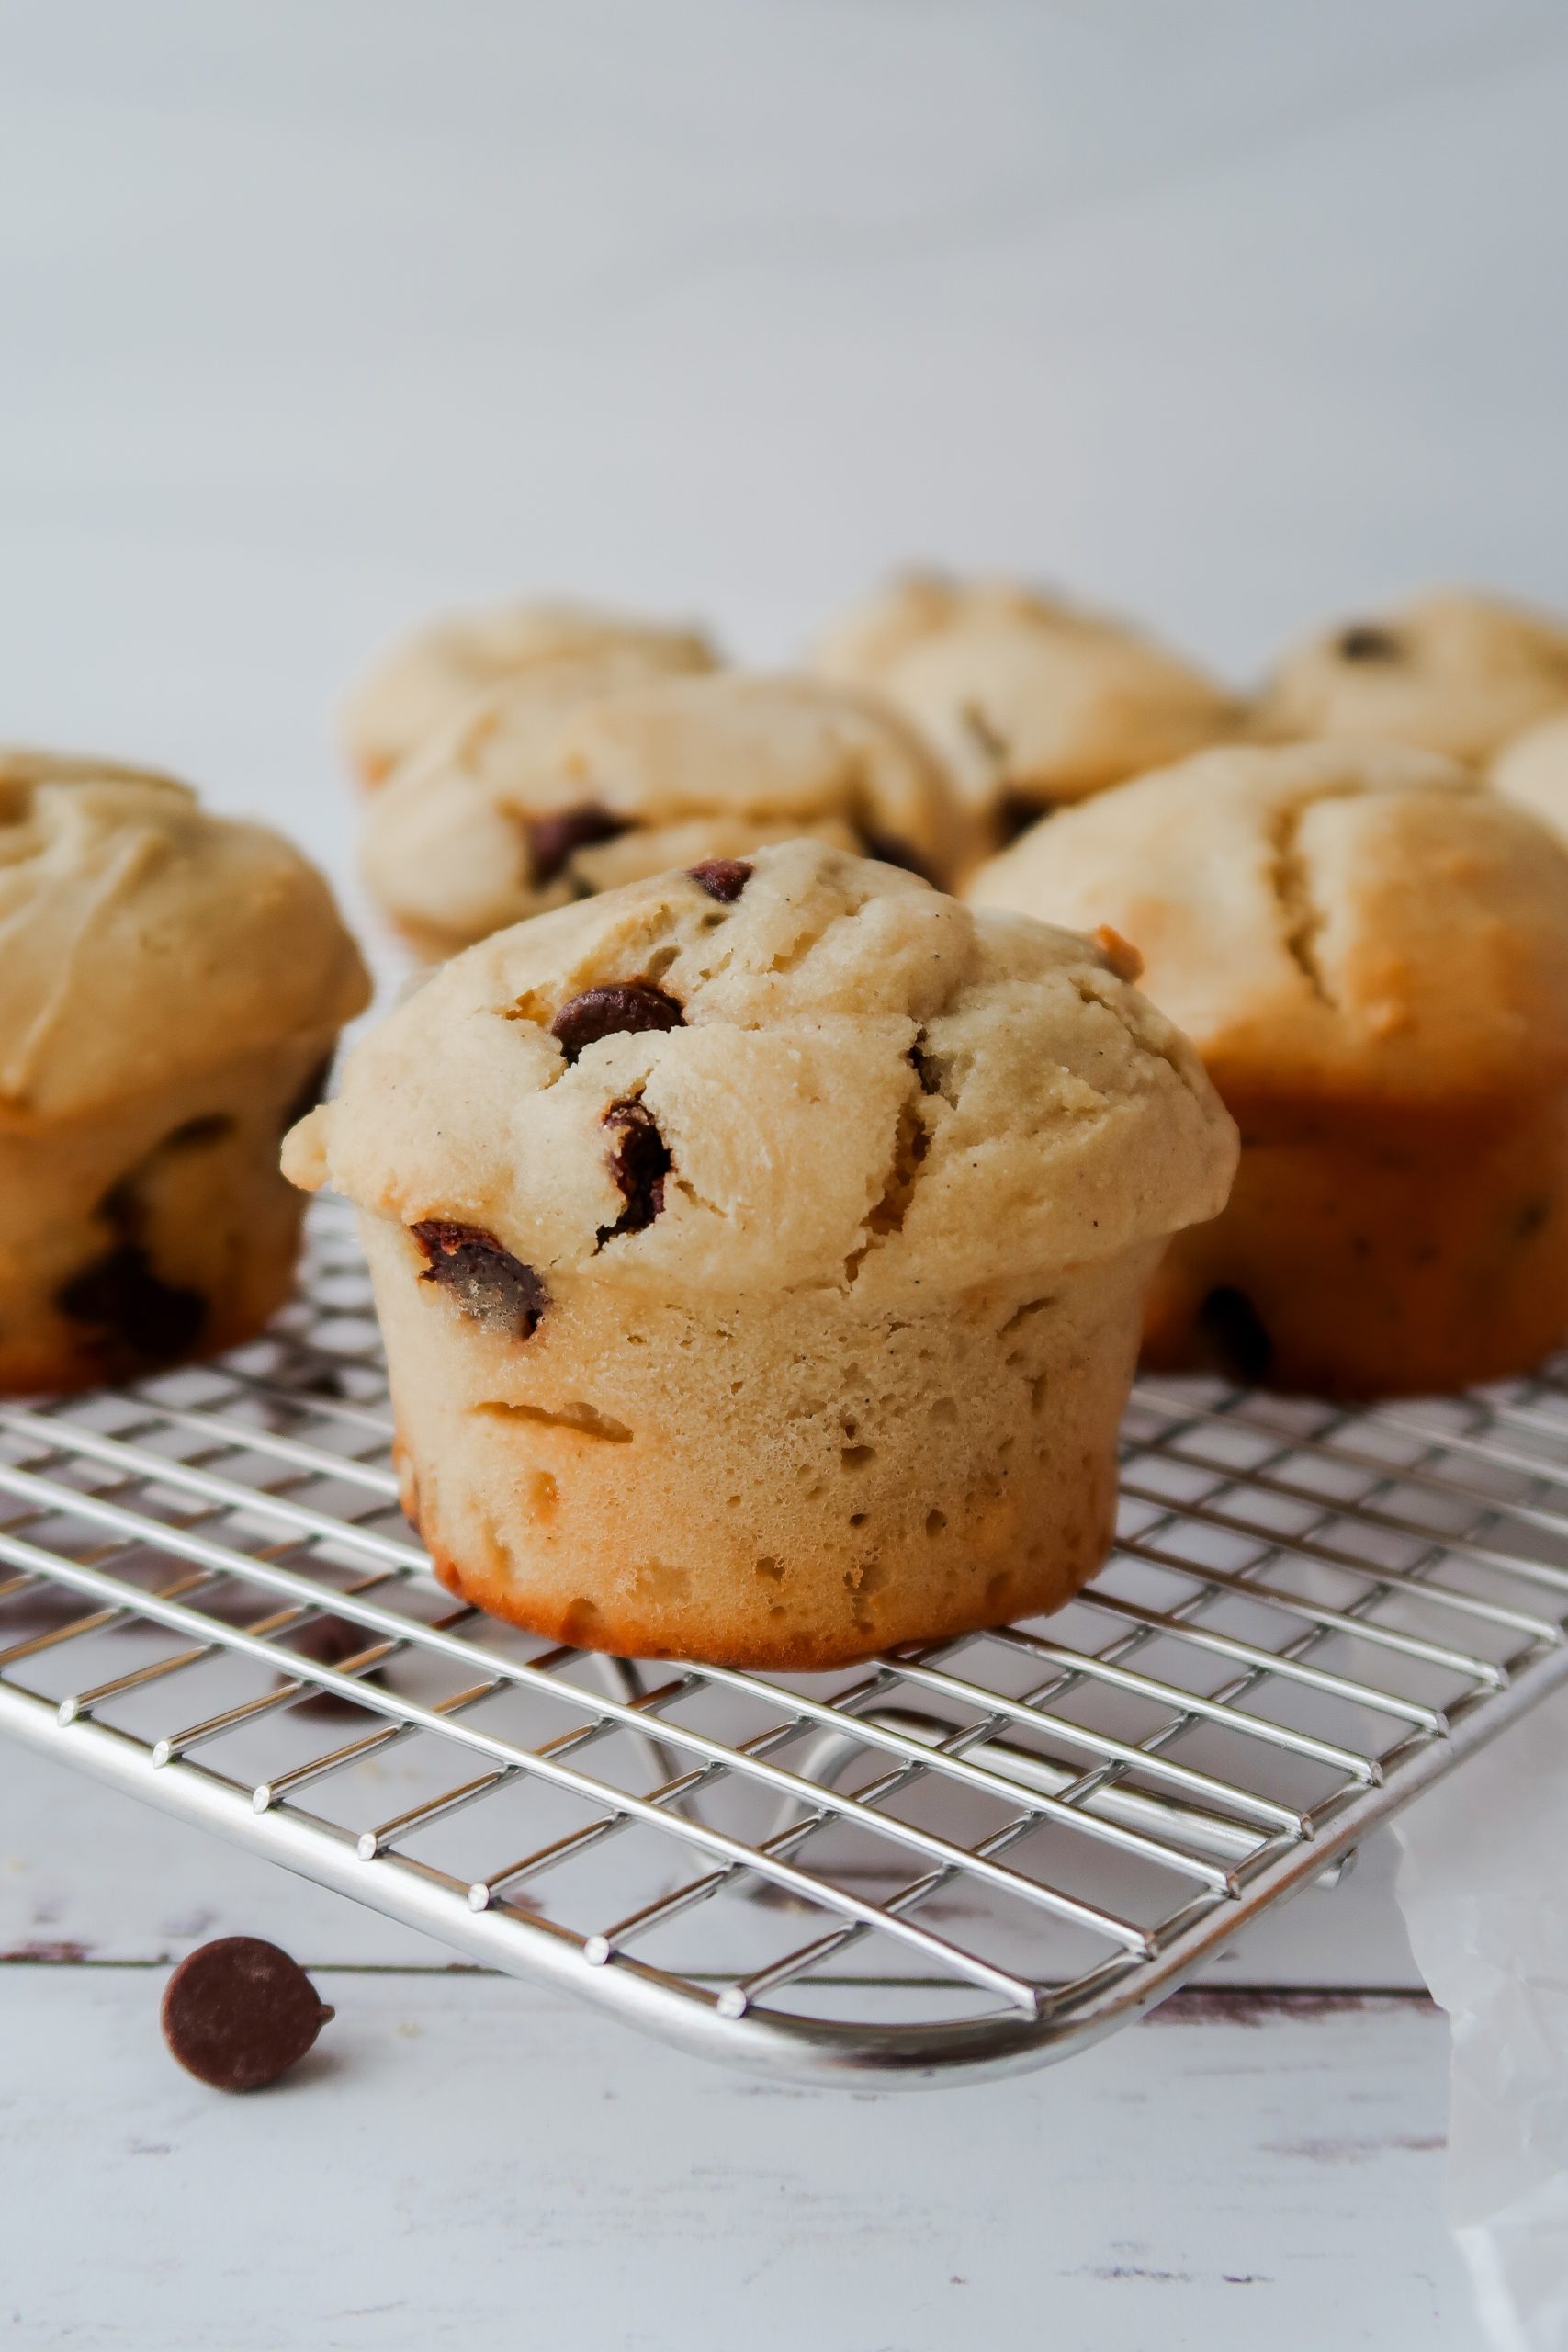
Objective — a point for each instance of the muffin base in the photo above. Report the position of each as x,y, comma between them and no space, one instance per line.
1377,1259
157,1232
793,1482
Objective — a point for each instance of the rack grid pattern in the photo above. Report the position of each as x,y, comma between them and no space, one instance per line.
961,1858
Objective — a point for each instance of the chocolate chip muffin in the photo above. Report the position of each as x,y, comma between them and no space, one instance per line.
1029,701
422,683
1370,952
761,1254
1454,672
171,992
1532,772
518,809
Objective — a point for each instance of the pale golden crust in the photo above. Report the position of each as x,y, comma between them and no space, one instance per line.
170,988
1417,1258
1355,926
688,1478
845,1029
1532,772
844,1367
1028,700
143,940
421,683
675,770
1454,672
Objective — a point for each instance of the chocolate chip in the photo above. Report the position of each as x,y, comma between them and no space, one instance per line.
639,1162
1365,642
923,1068
889,850
1236,1335
239,2013
140,1318
605,1012
722,877
487,1280
554,841
312,1091
1015,812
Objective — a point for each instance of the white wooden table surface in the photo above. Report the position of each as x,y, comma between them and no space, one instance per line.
1232,312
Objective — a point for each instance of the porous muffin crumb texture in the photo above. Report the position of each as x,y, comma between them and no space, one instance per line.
761,1268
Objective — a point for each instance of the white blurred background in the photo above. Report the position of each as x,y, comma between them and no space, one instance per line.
316,313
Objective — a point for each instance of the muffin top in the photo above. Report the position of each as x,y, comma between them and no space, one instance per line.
1533,771
146,940
1453,672
424,681
1028,700
1357,924
526,804
801,1070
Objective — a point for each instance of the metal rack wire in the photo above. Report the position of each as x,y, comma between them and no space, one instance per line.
963,1858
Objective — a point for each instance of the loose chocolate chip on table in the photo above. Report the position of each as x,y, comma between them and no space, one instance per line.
239,2013
889,850
1237,1335
603,1012
639,1162
142,1318
1365,642
487,1280
555,839
722,877
1016,811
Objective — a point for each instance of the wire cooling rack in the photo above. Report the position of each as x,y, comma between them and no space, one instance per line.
961,1858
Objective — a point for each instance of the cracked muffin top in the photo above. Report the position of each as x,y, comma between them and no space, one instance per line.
1029,700
1328,922
422,682
1454,672
800,1070
143,940
526,804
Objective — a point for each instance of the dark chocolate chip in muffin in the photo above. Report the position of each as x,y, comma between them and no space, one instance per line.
639,1162
238,2013
140,1320
1236,1335
1015,812
888,849
486,1280
604,1011
722,877
1366,641
555,839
